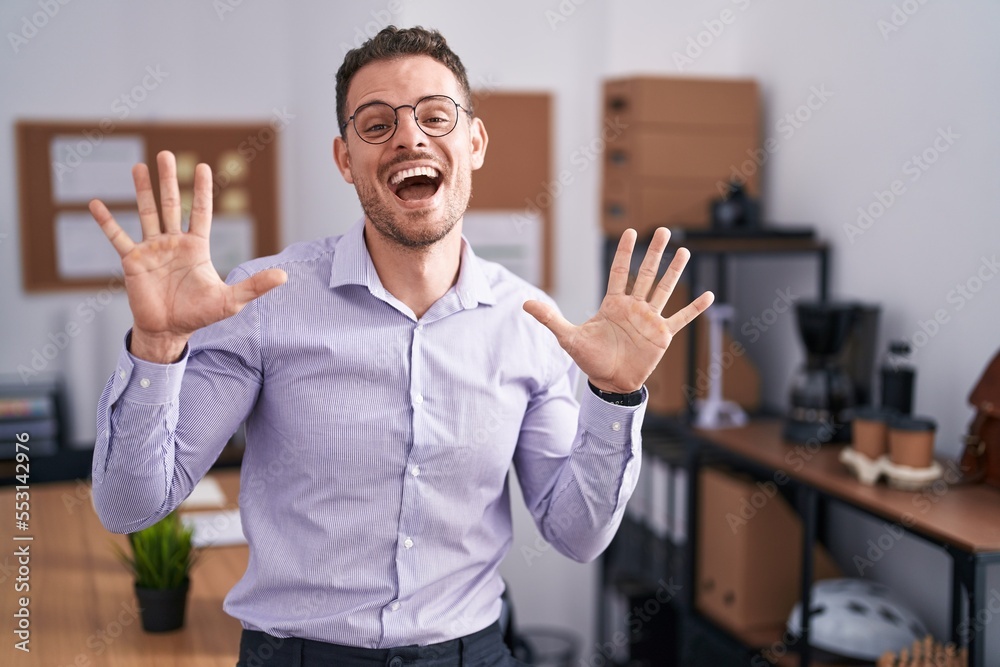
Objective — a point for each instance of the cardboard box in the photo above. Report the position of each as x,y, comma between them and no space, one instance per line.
749,553
653,100
678,156
676,144
645,204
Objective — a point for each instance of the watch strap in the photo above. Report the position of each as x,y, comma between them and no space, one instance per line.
629,400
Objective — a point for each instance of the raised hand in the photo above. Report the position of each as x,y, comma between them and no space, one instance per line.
173,289
619,347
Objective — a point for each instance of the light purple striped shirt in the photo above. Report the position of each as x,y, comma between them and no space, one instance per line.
374,487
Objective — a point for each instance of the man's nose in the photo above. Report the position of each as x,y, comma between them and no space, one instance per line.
408,132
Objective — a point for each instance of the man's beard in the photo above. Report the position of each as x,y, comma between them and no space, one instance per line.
414,230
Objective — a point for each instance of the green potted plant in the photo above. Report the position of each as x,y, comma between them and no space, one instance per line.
161,559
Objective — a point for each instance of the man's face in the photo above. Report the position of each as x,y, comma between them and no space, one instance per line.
419,210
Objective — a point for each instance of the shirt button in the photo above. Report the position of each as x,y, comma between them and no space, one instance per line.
617,426
395,607
408,543
416,471
121,373
420,327
418,399
144,383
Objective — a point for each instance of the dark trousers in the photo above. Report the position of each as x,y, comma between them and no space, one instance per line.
480,649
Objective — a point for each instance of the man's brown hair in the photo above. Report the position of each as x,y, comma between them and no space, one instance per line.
390,43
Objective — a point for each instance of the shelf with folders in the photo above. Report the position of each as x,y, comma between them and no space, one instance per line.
645,569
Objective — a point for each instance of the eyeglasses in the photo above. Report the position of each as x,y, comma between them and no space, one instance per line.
376,122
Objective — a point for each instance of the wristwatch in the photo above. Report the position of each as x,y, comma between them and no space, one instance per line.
629,400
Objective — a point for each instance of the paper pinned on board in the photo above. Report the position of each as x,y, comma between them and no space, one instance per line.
85,167
82,249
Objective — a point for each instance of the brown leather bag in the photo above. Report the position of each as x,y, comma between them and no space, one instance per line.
981,459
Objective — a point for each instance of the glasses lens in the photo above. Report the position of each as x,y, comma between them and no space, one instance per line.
375,122
437,115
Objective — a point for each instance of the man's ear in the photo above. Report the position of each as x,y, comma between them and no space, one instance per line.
479,140
343,159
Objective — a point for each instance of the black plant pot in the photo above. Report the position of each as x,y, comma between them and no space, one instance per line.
162,610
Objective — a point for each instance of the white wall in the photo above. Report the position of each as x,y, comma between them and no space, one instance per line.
890,96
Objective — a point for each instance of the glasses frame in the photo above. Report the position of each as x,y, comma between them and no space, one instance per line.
395,113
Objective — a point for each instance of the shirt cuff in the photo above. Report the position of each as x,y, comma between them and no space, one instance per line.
619,424
139,381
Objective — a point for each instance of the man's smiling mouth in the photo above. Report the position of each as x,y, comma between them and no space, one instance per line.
415,183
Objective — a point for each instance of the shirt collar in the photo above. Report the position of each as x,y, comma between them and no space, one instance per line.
352,265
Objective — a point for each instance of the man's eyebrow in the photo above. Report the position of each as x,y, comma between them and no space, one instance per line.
372,101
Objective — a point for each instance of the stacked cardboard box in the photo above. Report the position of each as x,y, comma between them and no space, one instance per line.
676,143
749,552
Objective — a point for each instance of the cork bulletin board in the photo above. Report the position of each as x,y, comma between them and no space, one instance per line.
510,214
63,165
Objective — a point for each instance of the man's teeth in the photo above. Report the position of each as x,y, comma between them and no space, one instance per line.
398,177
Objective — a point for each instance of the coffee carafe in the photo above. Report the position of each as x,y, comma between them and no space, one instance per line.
836,375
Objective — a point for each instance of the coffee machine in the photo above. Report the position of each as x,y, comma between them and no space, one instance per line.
837,374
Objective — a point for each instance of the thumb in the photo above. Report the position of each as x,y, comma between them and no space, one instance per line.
548,316
257,285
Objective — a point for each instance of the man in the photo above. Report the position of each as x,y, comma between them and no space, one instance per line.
387,386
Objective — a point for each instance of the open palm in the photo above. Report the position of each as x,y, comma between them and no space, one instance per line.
620,346
173,289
